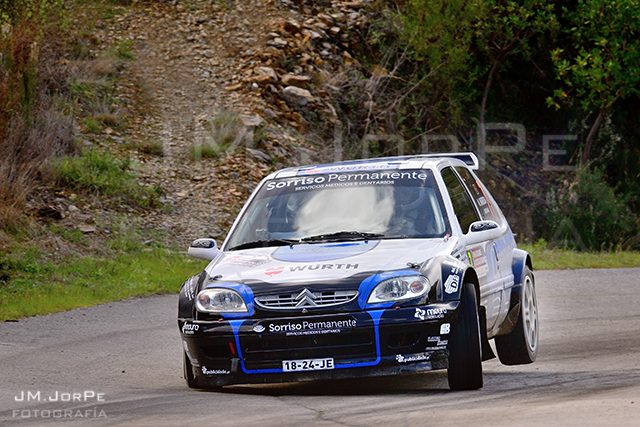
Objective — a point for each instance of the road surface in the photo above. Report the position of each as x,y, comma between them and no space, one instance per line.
120,364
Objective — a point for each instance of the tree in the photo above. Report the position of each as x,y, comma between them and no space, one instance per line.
505,28
439,34
451,35
602,63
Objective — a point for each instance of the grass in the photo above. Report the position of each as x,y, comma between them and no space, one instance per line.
225,133
99,172
40,286
559,259
50,268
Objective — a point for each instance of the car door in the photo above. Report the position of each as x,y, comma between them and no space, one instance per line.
483,256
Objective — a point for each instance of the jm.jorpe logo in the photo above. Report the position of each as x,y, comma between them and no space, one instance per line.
57,396
86,396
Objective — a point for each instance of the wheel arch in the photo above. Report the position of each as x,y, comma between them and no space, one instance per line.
521,259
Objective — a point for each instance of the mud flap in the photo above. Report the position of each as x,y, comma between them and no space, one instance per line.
487,351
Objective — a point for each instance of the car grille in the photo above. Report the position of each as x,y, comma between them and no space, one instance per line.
304,299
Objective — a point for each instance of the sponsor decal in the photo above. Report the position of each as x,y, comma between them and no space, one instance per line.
245,261
478,260
273,271
189,328
189,288
415,357
374,166
206,371
307,327
345,179
452,283
302,183
324,267
259,328
430,313
437,344
445,328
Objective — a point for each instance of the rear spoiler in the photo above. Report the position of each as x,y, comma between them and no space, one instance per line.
469,158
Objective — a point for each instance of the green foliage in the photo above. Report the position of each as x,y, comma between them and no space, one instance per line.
602,64
589,211
13,11
124,50
79,282
226,133
154,148
439,35
99,172
545,258
93,125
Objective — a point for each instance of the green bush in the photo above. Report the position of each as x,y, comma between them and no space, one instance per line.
99,172
587,214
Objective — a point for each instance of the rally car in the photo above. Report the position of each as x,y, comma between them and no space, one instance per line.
361,268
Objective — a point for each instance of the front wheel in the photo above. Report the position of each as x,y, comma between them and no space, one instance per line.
521,345
465,348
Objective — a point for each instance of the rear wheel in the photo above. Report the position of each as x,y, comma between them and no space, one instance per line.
465,349
521,345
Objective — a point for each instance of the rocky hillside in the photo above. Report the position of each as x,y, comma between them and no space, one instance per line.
218,94
224,76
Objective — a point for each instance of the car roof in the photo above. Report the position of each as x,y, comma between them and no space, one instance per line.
418,161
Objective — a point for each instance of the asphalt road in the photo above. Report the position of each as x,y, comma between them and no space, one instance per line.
120,364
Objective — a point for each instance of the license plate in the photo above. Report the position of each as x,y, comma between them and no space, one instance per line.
307,365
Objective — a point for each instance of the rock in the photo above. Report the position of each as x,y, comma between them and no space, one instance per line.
86,228
295,80
277,42
269,114
313,35
297,96
233,87
250,121
50,211
291,27
259,154
348,59
264,75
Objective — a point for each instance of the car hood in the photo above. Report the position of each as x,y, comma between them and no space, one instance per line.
323,262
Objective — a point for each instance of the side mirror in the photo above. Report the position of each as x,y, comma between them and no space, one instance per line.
203,249
481,231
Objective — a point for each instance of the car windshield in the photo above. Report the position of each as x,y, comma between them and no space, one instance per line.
358,205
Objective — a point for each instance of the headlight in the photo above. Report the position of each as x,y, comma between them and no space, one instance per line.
399,288
220,300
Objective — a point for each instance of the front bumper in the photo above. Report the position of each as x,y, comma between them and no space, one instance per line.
368,343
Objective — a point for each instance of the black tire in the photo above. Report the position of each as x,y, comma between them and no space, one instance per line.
189,377
521,345
465,347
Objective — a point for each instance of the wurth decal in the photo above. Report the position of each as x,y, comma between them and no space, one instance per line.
324,267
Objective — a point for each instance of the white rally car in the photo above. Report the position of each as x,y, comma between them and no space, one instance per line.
361,268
